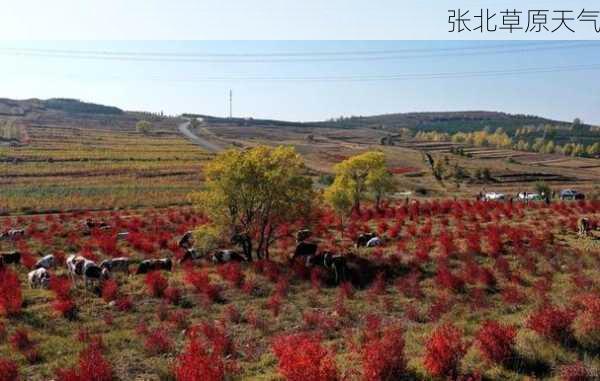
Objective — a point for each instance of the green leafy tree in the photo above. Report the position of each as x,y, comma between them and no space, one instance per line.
255,191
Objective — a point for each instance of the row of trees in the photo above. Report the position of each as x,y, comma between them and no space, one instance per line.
501,139
259,191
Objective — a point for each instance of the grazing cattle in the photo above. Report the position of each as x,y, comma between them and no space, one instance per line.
334,263
8,258
90,223
364,238
302,235
75,266
148,265
244,241
94,273
189,255
186,242
223,256
122,235
120,264
12,234
375,241
39,278
305,249
583,226
46,262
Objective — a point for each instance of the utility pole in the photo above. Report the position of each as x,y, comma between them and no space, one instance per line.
230,104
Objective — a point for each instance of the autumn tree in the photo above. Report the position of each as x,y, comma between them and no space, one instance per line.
255,191
358,177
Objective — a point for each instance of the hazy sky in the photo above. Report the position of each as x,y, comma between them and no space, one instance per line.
315,80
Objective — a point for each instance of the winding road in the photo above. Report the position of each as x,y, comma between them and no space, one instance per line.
200,141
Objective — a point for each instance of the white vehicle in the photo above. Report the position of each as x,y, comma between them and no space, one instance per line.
524,196
494,196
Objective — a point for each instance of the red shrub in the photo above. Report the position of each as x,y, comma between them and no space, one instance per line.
232,273
65,307
124,303
9,371
172,295
443,351
92,366
383,357
232,314
110,290
201,282
20,342
61,286
496,341
274,304
157,342
551,322
302,358
156,283
10,292
198,363
447,279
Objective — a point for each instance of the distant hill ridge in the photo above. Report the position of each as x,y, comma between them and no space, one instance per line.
11,107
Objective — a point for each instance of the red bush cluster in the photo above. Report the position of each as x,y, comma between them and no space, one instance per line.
63,304
9,371
383,356
157,341
551,322
496,341
91,366
110,290
443,351
156,283
201,283
301,357
197,362
232,273
10,292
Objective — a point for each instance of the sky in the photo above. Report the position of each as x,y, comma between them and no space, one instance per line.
311,80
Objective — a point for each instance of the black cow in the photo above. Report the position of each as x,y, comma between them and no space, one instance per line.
362,239
148,265
305,249
222,256
189,255
245,242
8,258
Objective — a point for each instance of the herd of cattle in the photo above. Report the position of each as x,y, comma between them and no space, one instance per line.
81,268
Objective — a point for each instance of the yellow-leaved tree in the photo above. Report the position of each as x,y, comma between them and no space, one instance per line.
255,191
358,178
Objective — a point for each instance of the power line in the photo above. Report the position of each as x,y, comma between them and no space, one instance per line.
336,56
395,77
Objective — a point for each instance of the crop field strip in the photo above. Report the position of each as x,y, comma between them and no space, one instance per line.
78,169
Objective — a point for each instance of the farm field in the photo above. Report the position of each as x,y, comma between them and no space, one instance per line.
447,267
71,168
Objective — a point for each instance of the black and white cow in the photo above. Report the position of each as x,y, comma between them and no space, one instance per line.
122,235
364,238
245,242
39,278
46,262
375,241
149,265
186,242
12,234
305,249
93,273
120,264
223,256
13,257
334,263
75,266
302,235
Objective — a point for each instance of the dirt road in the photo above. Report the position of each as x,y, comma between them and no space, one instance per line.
200,141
